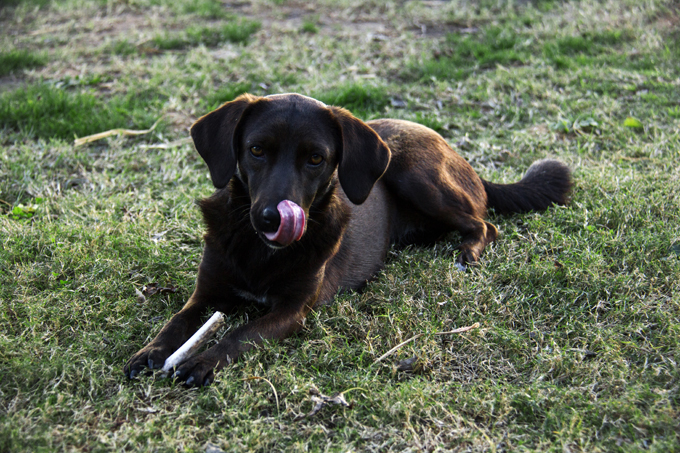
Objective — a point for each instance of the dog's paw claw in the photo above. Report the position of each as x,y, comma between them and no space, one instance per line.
145,361
198,371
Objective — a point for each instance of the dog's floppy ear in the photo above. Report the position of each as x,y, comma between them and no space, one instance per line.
213,136
363,159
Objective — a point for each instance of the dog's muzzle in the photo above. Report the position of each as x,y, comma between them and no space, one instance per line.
292,224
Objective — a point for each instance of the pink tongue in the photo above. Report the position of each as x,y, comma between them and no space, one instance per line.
292,224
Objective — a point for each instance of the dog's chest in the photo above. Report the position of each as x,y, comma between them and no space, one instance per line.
260,299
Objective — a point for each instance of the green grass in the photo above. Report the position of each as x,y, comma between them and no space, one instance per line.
225,93
579,307
461,55
123,48
309,26
15,60
591,49
363,100
30,3
47,111
211,9
236,32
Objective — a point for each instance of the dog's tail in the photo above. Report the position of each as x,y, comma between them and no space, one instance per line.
546,182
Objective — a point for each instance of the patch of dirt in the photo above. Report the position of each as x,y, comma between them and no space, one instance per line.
669,22
436,30
87,32
94,28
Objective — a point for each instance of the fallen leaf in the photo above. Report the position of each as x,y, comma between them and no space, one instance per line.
398,103
320,401
210,448
563,126
153,288
23,212
632,123
675,248
157,237
464,143
407,364
585,124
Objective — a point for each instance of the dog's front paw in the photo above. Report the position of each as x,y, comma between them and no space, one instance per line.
151,357
199,370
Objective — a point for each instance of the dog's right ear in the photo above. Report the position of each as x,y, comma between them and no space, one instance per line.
213,136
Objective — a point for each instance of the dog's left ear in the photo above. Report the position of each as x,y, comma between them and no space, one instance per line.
363,159
213,136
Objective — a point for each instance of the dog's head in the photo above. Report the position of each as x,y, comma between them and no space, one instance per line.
286,149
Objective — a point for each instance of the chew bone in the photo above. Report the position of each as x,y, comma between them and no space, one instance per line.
195,342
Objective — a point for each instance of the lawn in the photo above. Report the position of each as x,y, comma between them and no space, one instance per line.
578,343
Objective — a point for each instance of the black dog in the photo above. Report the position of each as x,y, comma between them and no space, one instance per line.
309,199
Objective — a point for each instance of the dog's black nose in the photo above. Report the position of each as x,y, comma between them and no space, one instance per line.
270,218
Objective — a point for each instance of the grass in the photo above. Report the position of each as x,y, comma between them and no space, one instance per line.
123,48
579,307
310,26
363,100
239,31
210,9
225,93
30,3
462,54
47,111
15,60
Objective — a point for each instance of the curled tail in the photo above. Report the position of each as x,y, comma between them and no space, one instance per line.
546,182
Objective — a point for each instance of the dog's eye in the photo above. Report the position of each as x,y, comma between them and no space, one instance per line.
256,151
316,159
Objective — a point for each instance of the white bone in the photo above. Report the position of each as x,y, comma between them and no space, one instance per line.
195,342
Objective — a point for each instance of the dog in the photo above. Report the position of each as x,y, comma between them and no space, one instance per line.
308,201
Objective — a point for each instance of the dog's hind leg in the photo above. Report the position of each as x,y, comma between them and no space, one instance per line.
477,234
435,189
444,207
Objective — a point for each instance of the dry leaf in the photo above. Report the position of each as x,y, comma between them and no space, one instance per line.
320,401
153,288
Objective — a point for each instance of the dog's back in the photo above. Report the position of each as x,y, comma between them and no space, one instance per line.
438,191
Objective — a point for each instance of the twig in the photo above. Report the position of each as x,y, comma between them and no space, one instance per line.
276,396
459,330
174,144
353,388
91,138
